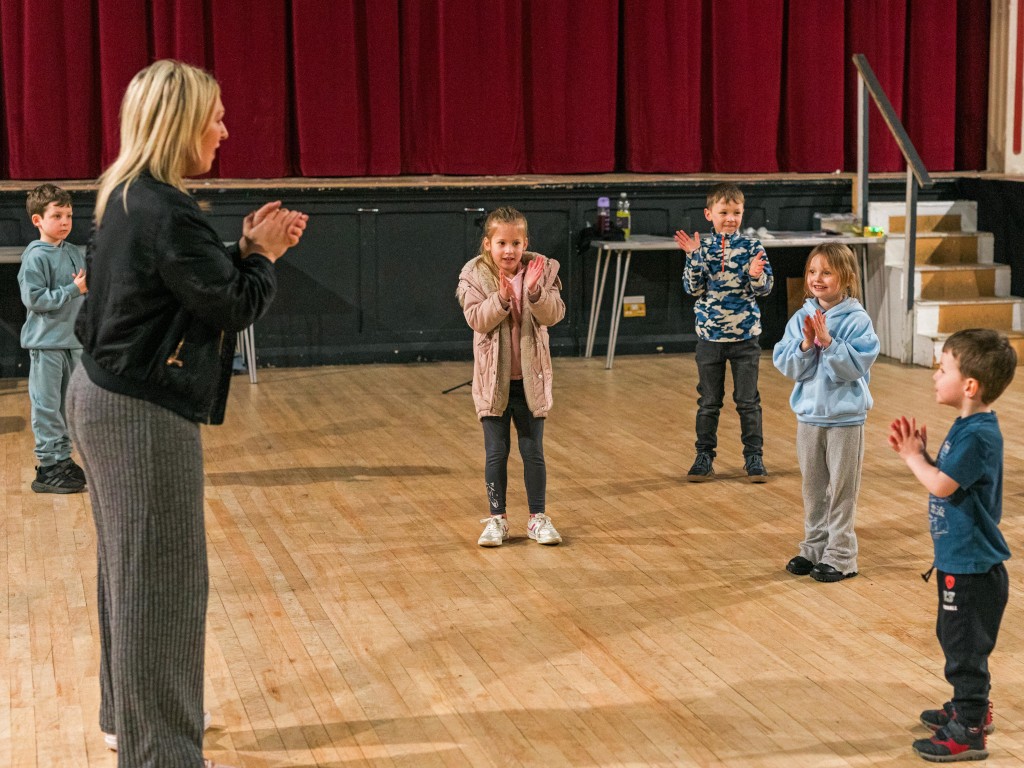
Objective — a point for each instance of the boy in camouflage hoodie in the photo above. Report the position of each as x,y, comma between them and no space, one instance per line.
727,271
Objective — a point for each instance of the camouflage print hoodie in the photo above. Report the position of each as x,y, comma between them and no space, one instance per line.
716,274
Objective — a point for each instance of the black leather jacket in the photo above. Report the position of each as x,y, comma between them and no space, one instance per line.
165,301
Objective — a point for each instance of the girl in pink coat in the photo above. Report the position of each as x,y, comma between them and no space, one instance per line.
510,296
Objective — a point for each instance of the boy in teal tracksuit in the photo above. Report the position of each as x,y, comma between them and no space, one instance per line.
52,284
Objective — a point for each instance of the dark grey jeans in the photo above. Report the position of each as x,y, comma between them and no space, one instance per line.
745,358
498,443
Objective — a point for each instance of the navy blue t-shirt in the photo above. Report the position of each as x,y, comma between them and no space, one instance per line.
965,525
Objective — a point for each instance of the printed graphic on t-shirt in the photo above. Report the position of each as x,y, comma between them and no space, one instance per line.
937,522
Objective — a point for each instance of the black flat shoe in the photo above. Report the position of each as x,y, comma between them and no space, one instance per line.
828,574
799,566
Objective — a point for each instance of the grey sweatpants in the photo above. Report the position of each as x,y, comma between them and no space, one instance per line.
145,468
830,461
48,376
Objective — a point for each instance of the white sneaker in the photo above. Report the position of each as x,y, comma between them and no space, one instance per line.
542,531
110,739
495,532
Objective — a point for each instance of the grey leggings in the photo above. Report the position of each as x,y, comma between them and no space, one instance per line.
145,468
498,444
830,460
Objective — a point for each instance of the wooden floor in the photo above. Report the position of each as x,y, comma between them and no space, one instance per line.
353,620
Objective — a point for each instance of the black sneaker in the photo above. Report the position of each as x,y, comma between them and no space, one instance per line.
799,566
933,719
828,574
756,473
953,742
701,469
56,479
72,469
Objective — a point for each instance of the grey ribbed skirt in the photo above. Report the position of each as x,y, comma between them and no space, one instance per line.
144,465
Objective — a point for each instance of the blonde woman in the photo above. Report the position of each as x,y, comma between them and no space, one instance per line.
166,299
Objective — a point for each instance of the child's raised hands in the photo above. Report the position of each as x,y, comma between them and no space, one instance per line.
906,438
808,329
757,263
534,270
79,279
504,288
687,243
820,326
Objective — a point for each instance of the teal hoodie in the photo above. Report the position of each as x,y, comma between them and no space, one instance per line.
831,384
49,293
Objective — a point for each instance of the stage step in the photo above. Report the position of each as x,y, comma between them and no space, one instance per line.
949,315
957,285
942,248
928,349
932,216
962,281
948,222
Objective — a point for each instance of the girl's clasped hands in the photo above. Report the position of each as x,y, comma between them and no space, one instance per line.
816,331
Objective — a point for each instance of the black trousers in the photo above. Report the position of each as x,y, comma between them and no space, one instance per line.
745,358
970,610
498,443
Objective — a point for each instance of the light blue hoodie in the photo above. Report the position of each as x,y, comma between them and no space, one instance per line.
50,296
831,384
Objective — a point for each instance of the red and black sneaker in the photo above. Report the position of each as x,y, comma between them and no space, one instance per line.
953,742
933,719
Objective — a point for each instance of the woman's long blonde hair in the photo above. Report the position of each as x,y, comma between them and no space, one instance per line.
163,115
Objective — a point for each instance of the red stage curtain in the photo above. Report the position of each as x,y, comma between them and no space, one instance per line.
930,103
812,99
462,96
876,28
124,49
250,58
345,72
180,30
972,62
51,104
569,85
385,87
744,72
664,88
133,35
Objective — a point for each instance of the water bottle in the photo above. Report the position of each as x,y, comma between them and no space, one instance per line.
623,219
604,216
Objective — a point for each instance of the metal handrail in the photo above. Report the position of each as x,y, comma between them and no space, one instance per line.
917,175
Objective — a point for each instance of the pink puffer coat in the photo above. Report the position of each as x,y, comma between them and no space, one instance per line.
492,341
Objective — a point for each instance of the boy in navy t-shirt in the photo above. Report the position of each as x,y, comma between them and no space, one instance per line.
965,483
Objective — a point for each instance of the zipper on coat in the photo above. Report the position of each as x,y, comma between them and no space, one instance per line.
174,359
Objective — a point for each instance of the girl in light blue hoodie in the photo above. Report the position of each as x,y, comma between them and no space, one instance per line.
828,349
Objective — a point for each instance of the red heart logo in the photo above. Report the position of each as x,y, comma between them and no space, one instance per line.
950,581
